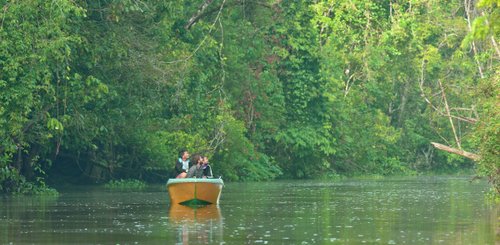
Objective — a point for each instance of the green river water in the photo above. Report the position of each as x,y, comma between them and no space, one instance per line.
403,210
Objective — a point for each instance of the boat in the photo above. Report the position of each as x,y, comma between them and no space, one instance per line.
193,191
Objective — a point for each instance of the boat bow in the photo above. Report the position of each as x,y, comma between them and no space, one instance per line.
192,191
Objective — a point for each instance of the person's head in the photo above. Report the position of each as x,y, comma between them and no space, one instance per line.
205,160
184,154
197,159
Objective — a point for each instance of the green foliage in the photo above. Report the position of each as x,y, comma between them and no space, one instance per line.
237,158
487,131
166,145
100,90
12,182
39,189
40,91
487,135
487,24
125,184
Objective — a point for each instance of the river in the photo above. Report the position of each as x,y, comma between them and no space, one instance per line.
395,210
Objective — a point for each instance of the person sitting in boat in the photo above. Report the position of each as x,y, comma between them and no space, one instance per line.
196,171
182,164
207,170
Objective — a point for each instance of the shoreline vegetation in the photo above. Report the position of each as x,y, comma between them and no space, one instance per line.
109,91
138,185
125,184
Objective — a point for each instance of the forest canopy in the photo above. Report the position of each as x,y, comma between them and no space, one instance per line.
92,91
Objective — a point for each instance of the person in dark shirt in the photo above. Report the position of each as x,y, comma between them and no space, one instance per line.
195,171
182,164
207,170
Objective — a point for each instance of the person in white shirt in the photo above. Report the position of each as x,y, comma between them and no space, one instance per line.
182,164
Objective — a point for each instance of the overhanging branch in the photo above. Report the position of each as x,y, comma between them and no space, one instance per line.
203,11
463,153
198,14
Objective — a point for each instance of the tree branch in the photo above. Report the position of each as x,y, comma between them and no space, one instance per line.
469,25
195,17
202,12
448,114
463,153
423,95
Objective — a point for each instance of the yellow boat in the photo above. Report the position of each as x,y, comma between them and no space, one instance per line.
192,191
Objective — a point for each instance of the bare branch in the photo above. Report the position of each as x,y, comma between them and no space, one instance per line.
212,27
492,38
474,49
448,114
198,14
463,153
348,85
204,12
323,27
422,93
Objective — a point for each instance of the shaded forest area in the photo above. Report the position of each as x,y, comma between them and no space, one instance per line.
92,91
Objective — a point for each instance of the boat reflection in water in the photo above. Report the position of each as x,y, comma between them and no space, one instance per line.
200,224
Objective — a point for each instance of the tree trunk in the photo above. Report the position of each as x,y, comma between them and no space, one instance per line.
404,99
463,153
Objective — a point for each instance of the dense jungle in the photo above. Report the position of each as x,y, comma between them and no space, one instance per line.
94,91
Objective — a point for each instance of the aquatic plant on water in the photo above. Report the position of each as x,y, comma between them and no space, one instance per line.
126,184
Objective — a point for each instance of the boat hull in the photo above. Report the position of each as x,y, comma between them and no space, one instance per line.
190,191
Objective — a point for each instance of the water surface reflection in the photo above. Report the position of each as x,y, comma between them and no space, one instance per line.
200,225
404,210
